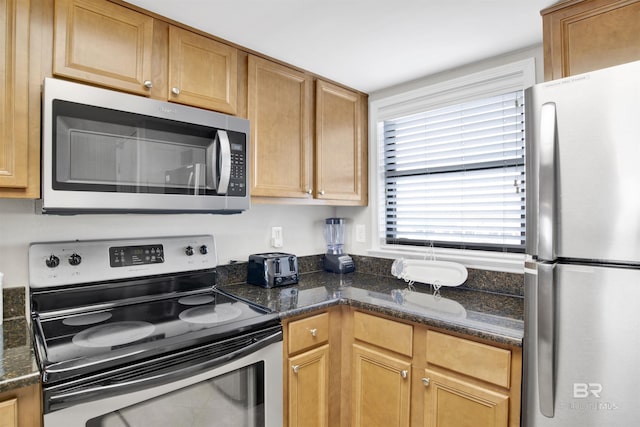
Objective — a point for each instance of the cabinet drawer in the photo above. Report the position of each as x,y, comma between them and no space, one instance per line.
308,332
481,361
394,336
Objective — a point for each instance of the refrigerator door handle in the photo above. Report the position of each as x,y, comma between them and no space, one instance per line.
546,337
547,182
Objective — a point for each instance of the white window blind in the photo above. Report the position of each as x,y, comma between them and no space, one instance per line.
454,176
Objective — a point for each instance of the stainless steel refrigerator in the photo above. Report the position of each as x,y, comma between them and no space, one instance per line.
582,275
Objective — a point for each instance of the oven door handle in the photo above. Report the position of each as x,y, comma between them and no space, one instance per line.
109,388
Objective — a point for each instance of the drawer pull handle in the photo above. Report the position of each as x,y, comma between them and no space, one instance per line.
426,381
404,373
314,332
295,368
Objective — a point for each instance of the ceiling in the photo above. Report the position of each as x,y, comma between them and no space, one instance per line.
366,44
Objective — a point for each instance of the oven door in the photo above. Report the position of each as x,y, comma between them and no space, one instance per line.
242,388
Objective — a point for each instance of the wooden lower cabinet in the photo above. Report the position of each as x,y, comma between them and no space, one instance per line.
309,388
454,402
352,368
9,413
381,388
312,369
21,407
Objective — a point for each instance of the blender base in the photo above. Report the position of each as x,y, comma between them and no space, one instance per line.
338,263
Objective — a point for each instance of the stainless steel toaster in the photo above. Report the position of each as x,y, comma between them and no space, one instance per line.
272,269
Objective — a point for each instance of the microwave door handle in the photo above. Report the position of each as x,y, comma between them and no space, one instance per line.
547,183
223,161
190,180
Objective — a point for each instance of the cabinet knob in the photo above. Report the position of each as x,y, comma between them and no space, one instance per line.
426,381
314,332
404,373
295,368
309,191
322,192
175,91
148,84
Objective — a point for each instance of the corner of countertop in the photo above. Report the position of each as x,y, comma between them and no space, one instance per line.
511,284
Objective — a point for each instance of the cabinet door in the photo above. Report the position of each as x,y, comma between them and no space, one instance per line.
381,389
454,402
341,172
582,36
103,43
9,413
14,93
202,71
280,109
309,388
21,407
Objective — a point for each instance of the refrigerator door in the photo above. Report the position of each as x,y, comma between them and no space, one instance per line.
584,154
587,374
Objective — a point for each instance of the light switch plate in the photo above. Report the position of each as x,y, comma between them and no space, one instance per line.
361,233
277,239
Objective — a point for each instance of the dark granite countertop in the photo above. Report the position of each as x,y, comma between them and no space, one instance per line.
19,367
492,316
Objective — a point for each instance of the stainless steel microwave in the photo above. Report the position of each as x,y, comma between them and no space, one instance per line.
106,151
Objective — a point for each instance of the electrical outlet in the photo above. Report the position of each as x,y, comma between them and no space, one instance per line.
277,239
361,233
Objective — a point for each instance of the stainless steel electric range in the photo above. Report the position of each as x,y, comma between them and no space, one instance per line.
133,332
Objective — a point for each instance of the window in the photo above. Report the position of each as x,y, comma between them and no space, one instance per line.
451,167
454,176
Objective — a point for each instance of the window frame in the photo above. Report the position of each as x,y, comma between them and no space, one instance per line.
494,81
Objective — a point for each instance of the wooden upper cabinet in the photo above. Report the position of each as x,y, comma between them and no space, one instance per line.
341,172
103,43
283,120
202,71
585,35
279,109
14,94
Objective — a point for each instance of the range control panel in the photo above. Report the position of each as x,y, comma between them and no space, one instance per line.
54,264
124,256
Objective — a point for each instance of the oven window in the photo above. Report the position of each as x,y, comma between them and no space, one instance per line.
235,399
98,149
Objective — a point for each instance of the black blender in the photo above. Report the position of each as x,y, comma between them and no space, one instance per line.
335,260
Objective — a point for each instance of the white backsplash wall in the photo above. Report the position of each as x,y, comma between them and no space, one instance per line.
237,236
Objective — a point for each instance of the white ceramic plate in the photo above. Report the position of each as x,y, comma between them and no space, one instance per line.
444,273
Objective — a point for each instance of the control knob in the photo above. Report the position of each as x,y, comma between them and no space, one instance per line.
53,261
189,250
204,250
75,259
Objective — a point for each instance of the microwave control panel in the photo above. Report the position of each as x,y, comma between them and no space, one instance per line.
238,178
